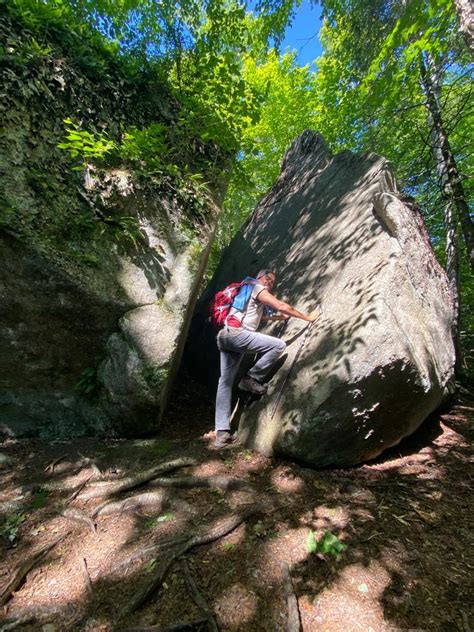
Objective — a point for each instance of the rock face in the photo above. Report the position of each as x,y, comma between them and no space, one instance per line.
100,260
381,358
95,352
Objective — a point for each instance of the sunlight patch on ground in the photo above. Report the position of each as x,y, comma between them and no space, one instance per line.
284,481
60,580
331,517
353,602
290,547
237,606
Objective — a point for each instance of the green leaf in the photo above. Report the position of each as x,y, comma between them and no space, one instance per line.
311,543
165,517
40,498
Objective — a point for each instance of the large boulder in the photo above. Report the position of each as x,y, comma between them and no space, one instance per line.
94,350
381,358
101,254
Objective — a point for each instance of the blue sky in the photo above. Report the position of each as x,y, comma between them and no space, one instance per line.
302,35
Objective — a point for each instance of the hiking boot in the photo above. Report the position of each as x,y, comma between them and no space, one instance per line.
224,437
248,383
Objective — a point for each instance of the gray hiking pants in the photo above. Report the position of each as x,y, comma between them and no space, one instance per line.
233,344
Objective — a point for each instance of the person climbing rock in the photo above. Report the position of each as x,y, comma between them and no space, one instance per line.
238,337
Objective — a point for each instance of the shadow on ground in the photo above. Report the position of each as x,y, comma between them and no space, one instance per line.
404,521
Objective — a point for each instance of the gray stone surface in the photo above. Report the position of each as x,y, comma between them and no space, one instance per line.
6,461
89,252
123,323
381,358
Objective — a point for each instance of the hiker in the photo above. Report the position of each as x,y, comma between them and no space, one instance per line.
238,337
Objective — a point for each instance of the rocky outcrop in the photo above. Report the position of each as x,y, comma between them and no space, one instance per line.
100,261
95,351
381,359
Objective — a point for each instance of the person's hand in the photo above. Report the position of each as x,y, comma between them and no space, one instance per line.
314,315
283,317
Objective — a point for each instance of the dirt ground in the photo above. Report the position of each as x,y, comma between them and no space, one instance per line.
383,546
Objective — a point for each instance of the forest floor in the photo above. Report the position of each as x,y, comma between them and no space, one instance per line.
405,521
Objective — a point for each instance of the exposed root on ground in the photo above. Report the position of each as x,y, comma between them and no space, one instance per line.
218,482
109,488
294,621
87,577
198,598
147,500
25,567
78,515
221,529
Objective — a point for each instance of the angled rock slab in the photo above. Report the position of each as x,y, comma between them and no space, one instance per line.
143,356
381,358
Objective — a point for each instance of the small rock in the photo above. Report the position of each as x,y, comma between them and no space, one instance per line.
5,460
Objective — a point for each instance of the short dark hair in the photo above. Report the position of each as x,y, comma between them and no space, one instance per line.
264,272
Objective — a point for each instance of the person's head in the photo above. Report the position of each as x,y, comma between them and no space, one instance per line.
266,278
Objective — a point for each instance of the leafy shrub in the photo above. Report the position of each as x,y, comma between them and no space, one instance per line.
85,145
328,544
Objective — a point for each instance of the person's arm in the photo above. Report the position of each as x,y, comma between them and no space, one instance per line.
266,298
275,317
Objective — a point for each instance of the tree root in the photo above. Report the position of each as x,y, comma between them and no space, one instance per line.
221,482
294,621
73,513
198,598
87,577
108,488
78,490
221,529
148,500
25,567
97,473
145,554
11,624
52,465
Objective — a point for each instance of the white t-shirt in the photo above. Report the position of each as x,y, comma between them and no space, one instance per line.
253,315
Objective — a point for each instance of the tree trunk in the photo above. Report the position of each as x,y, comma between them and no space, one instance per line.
450,179
450,185
452,270
465,12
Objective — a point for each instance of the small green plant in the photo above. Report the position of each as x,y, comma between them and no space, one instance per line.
228,546
9,528
154,377
219,495
152,522
149,566
328,544
85,145
40,498
258,529
123,229
165,517
87,383
88,259
146,145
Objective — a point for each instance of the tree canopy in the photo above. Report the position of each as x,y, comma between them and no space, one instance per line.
394,78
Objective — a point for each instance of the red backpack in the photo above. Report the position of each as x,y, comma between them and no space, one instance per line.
220,305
